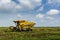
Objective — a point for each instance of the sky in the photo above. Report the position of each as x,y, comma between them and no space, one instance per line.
42,12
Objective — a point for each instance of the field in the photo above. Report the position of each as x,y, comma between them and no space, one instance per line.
38,33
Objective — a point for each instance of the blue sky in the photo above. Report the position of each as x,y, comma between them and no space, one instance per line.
42,12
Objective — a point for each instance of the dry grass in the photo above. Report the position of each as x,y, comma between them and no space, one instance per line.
40,33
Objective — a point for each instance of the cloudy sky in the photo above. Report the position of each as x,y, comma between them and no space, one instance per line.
42,12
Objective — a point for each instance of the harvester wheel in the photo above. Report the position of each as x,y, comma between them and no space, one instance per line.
14,29
29,29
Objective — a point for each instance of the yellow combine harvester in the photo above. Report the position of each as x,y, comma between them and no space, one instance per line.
22,25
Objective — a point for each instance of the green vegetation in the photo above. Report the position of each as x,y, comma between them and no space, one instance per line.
41,33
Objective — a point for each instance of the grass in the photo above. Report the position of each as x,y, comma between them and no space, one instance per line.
41,33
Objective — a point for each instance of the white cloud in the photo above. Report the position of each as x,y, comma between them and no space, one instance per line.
6,3
49,2
7,6
50,18
18,15
53,12
30,4
24,5
40,9
18,7
36,2
10,19
39,16
53,2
